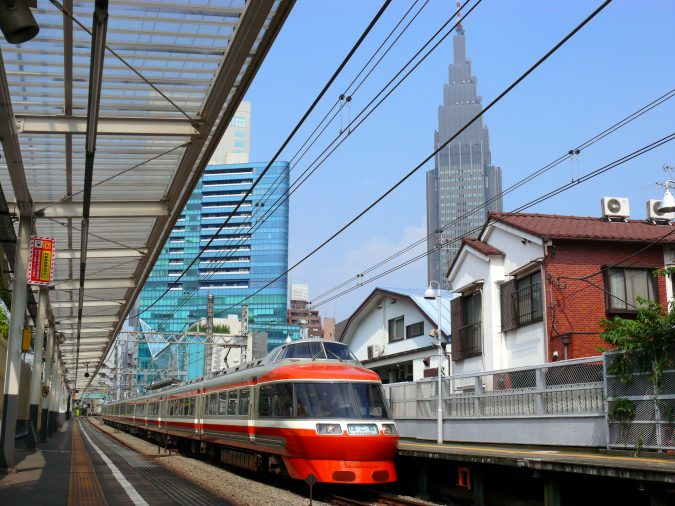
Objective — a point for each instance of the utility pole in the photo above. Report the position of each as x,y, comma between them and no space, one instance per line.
208,343
244,333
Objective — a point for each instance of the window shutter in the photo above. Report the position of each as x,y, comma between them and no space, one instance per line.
456,322
508,305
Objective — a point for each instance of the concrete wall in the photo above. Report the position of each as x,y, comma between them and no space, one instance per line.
588,431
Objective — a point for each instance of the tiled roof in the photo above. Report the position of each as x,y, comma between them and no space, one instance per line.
553,226
482,247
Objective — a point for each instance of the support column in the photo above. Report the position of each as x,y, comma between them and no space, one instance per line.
551,492
52,391
36,378
46,383
13,368
478,484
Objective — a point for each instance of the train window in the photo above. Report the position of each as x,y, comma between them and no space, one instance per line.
206,404
324,400
232,402
370,400
191,409
222,403
213,404
172,406
299,350
276,400
339,351
243,401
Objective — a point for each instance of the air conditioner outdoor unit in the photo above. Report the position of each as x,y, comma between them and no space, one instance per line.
615,207
654,215
373,351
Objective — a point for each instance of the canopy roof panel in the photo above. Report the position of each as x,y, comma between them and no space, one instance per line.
173,74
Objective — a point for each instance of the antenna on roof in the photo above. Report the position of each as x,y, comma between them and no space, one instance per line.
460,28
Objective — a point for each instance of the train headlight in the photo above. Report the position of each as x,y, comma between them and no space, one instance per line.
328,428
389,429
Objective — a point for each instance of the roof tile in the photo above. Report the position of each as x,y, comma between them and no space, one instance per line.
553,226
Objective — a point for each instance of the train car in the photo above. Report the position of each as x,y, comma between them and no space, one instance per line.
309,407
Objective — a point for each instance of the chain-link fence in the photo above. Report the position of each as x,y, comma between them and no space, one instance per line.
573,387
640,404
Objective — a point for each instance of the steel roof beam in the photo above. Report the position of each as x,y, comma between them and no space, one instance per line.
74,284
37,125
89,319
111,209
102,330
87,303
66,254
11,147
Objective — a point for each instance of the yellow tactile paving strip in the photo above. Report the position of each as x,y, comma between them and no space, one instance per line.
83,486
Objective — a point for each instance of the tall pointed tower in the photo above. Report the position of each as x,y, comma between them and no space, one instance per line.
463,177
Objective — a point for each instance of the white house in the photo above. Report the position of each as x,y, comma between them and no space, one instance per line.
390,333
476,277
533,288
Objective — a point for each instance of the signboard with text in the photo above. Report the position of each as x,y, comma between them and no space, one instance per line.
41,267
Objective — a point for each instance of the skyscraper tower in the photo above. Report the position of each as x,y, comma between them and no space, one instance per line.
463,177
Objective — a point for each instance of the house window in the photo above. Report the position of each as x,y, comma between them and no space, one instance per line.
466,326
396,329
521,302
414,330
625,285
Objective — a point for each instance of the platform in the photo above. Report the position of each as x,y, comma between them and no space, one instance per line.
652,467
81,466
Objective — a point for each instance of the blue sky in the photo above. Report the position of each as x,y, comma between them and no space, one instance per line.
620,61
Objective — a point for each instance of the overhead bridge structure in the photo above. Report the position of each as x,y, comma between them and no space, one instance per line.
108,118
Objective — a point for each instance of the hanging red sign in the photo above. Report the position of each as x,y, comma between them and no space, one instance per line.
41,267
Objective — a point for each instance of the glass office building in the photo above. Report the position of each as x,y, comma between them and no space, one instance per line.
246,257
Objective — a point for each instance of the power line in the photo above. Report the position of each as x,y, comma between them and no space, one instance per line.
283,146
553,193
268,213
436,151
586,144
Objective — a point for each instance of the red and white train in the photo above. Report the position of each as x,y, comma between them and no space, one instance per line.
309,407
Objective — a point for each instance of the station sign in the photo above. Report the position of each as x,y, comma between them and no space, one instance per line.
41,266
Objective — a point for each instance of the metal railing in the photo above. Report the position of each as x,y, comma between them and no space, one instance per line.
557,389
640,412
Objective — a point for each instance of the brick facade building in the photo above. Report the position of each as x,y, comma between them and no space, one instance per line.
535,287
308,319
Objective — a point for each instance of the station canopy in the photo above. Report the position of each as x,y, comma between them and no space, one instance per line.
171,77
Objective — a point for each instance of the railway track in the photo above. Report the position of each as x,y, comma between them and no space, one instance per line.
375,498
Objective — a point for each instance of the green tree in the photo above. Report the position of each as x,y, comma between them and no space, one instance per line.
646,341
4,324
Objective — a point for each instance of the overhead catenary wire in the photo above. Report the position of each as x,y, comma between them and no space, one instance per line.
278,204
346,91
567,186
267,214
549,166
282,147
429,157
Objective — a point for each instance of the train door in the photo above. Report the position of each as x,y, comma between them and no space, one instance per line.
199,412
252,410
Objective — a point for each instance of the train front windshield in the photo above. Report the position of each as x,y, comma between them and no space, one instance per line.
323,400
